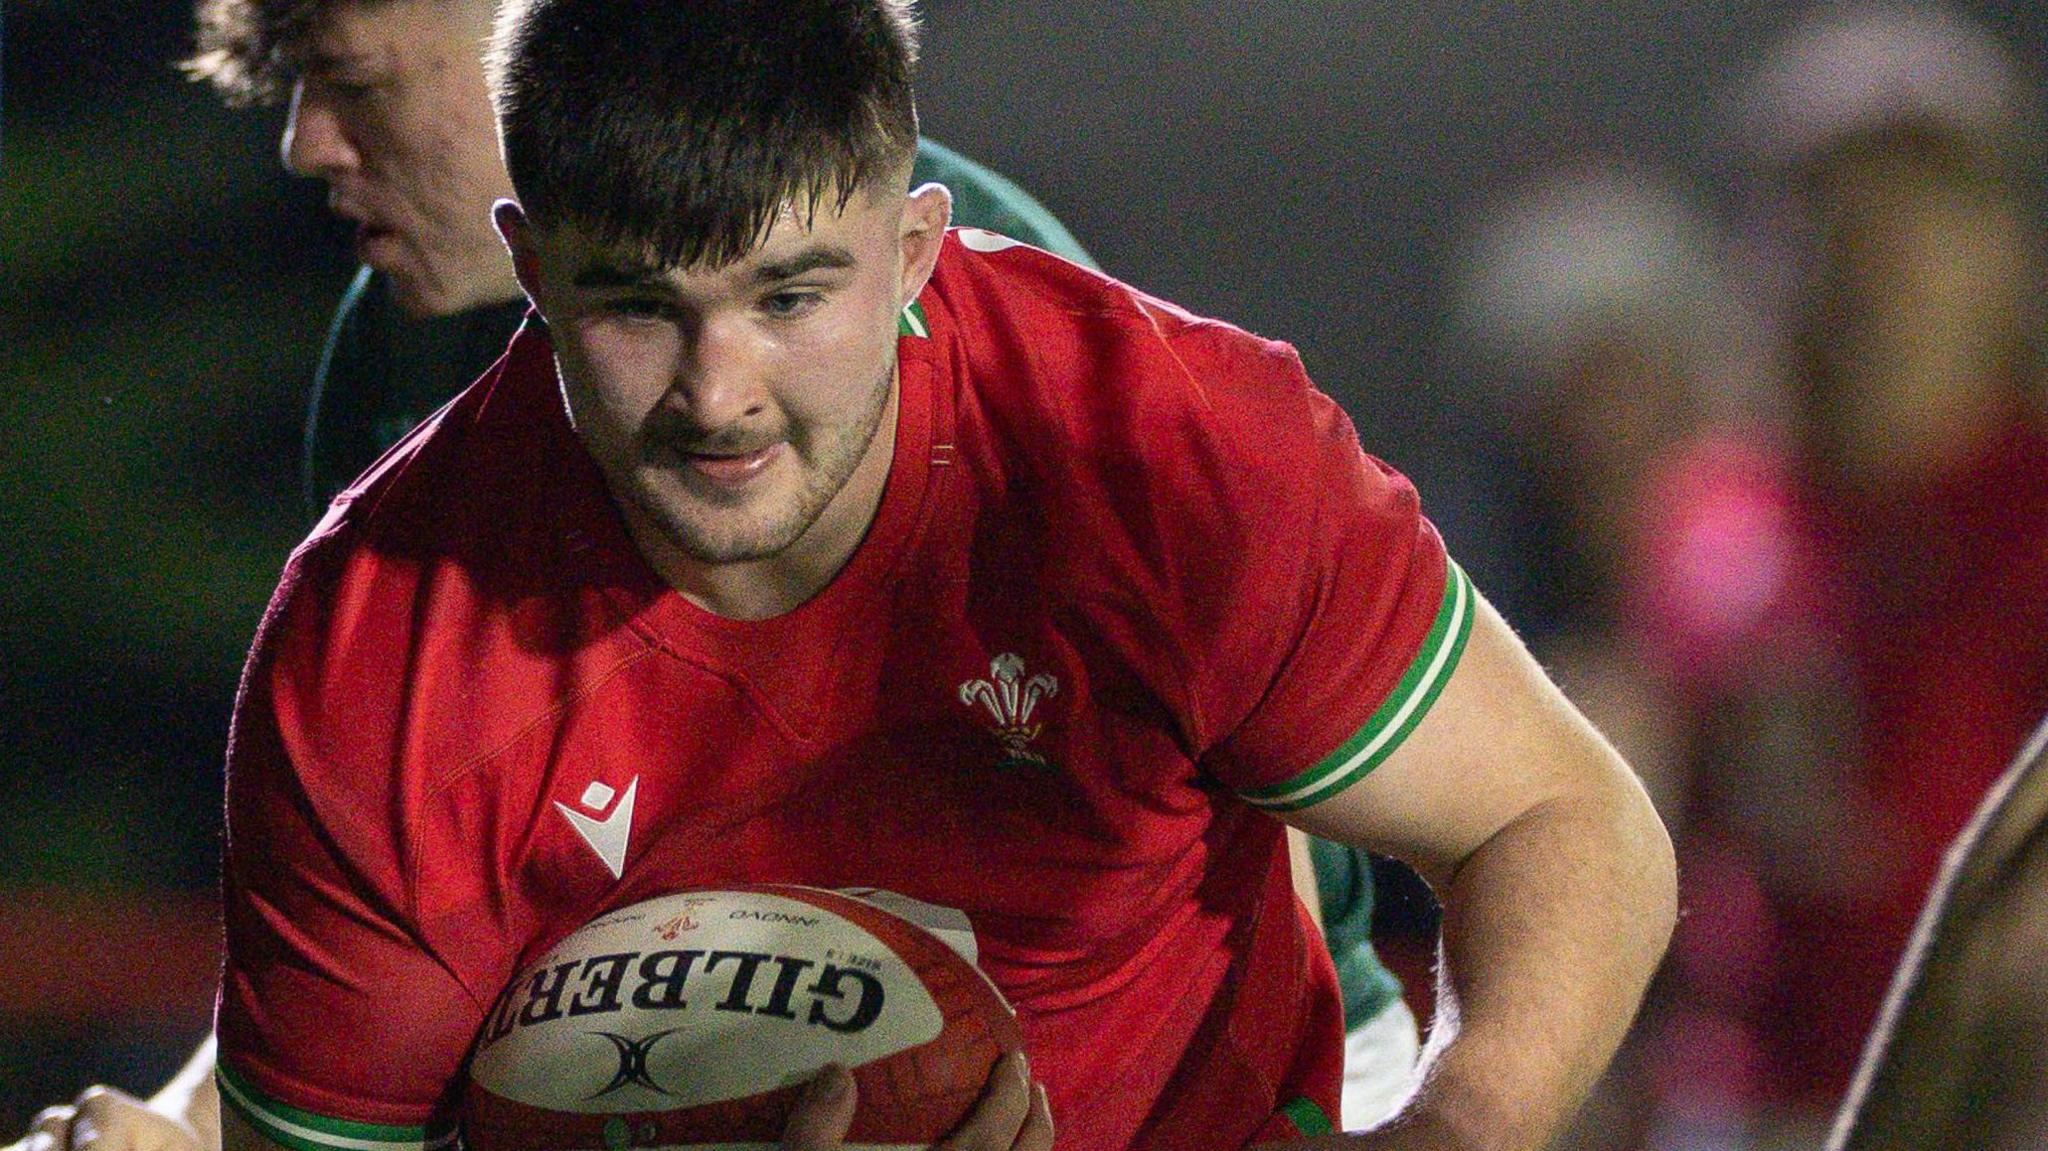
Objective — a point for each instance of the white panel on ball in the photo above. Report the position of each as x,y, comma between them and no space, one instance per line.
698,998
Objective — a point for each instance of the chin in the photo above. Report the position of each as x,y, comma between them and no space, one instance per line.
759,526
423,292
737,540
421,302
737,547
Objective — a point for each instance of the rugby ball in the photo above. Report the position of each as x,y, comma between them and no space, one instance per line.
693,1021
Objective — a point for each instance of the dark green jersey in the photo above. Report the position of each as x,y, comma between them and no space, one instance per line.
383,372
1344,890
986,199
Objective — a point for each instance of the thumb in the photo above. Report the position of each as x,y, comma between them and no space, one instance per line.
823,1113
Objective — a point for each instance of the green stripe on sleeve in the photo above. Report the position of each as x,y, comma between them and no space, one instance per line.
304,1131
1396,717
1307,1117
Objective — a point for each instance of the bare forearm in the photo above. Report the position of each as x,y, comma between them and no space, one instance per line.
1559,892
1551,932
1552,929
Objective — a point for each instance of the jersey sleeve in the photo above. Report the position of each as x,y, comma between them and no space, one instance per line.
1363,629
338,1029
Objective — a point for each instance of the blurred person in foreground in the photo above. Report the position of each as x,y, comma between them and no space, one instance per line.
1960,1057
388,105
1595,309
1892,145
803,418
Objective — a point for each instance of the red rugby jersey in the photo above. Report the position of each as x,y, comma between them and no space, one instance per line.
1131,580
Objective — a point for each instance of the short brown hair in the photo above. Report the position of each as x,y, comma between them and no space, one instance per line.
245,46
241,46
684,126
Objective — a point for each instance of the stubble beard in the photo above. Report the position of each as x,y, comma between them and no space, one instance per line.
731,533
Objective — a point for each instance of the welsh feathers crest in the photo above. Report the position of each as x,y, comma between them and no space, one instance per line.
1011,698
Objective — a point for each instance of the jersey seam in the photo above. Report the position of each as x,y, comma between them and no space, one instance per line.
415,833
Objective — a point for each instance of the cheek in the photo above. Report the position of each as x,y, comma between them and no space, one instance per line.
447,174
840,371
613,382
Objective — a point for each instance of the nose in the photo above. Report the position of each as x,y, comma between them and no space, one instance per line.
314,143
719,379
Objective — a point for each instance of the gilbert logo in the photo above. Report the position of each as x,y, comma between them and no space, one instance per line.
1010,698
606,833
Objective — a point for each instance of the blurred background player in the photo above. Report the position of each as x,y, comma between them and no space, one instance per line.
1791,504
1890,145
1594,310
388,107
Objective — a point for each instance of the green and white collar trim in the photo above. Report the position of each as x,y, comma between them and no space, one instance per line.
911,322
304,1131
1403,709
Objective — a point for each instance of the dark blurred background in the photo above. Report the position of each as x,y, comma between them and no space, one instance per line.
1304,169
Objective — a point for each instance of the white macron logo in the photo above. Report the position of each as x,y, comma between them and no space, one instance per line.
606,836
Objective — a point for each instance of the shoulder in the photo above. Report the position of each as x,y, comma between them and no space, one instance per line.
1179,484
1141,435
1088,374
457,568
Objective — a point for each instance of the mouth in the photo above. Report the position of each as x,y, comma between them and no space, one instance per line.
369,237
731,470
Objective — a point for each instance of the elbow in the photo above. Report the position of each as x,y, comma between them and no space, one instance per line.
1644,841
1662,861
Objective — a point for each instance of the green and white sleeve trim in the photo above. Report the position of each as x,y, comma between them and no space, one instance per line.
1396,717
1307,1118
305,1131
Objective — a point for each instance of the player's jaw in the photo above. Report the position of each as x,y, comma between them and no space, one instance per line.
433,266
756,493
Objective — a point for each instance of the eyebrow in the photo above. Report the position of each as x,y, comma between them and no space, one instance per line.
633,275
810,260
616,276
320,61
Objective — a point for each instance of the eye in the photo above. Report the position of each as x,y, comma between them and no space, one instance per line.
791,302
353,89
637,307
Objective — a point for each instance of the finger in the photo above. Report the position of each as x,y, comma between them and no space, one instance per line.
1037,1132
50,1130
110,1120
999,1115
823,1113
105,1120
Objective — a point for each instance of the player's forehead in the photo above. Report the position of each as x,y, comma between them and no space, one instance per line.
799,240
346,35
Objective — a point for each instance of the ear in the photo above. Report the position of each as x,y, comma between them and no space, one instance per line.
926,212
518,236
